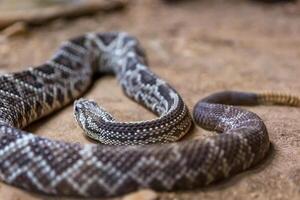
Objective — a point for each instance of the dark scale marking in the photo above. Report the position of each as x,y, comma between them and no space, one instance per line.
131,64
78,85
79,41
29,78
63,60
69,94
46,69
107,38
148,78
60,95
72,51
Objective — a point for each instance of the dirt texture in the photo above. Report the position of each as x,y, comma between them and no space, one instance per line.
199,47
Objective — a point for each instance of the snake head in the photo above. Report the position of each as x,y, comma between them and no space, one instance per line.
87,112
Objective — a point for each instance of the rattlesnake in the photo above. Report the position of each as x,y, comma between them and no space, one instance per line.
59,168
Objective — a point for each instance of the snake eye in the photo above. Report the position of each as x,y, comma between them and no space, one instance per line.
76,109
78,105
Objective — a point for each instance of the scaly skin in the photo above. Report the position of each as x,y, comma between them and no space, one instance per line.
59,168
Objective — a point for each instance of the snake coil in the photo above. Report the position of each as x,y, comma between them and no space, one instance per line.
53,167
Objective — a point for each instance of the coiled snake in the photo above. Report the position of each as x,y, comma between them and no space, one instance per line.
58,168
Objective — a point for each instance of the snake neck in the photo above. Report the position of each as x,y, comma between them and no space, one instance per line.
121,54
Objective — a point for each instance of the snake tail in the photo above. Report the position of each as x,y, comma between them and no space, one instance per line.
217,112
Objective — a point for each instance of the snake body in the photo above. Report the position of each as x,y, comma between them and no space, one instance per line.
54,167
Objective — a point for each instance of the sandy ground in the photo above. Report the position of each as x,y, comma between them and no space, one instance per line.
199,47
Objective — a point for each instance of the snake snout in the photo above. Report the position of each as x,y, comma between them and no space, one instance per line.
81,105
78,105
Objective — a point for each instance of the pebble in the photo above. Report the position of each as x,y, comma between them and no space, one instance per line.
141,195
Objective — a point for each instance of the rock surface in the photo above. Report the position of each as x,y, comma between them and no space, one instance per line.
199,47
